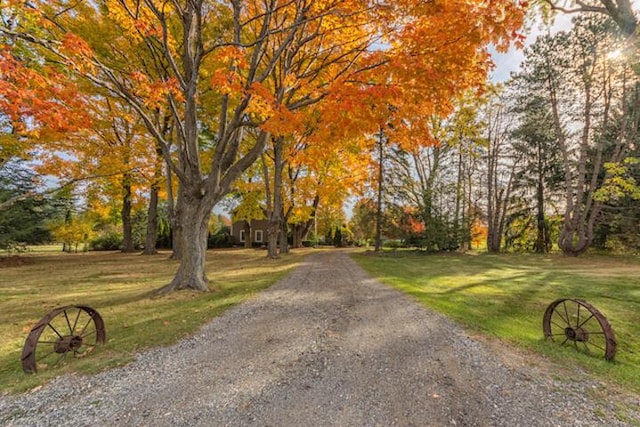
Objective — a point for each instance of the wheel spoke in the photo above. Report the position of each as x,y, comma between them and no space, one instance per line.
565,340
85,326
61,358
66,318
87,349
578,319
588,318
54,330
596,346
75,323
559,326
566,312
47,342
92,331
45,356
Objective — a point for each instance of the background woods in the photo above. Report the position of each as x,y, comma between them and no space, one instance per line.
151,114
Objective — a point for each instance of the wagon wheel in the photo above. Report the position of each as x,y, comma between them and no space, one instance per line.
576,323
72,330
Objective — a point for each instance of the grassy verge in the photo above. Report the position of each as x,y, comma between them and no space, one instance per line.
505,297
119,287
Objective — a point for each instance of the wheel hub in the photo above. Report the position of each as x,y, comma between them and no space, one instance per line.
576,334
68,343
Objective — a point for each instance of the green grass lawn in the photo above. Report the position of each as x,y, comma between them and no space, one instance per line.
119,286
505,296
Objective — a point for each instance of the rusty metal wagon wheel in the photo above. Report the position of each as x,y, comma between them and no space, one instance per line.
72,330
576,323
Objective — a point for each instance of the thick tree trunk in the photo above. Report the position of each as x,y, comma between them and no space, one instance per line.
573,241
299,233
191,274
296,235
127,227
284,242
247,235
273,231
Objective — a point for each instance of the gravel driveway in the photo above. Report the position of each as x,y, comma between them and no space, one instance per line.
327,346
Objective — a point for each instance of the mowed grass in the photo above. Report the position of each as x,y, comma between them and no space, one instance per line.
120,287
505,296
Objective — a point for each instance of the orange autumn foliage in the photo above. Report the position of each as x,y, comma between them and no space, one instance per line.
39,101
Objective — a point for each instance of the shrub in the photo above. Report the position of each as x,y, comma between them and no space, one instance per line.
15,247
221,239
109,241
393,244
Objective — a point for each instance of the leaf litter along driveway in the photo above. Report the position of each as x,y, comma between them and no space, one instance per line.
326,346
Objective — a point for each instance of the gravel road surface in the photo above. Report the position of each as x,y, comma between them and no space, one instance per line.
327,346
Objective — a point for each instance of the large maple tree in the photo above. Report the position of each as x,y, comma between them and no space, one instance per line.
249,71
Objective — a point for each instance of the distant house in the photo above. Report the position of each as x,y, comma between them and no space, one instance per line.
255,232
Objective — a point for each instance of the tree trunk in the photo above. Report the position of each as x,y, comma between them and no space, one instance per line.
498,192
175,219
542,244
152,222
284,240
191,273
275,219
574,237
457,220
151,239
299,233
378,246
127,227
247,235
296,235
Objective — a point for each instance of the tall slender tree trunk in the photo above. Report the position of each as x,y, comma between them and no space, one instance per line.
174,210
543,239
127,226
378,244
575,238
151,238
274,228
457,220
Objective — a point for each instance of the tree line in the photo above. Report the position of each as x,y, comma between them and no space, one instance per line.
287,108
179,99
548,158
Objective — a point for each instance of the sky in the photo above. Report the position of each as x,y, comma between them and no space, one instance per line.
510,62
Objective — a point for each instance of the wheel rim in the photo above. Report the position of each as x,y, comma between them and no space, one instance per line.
70,331
578,324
